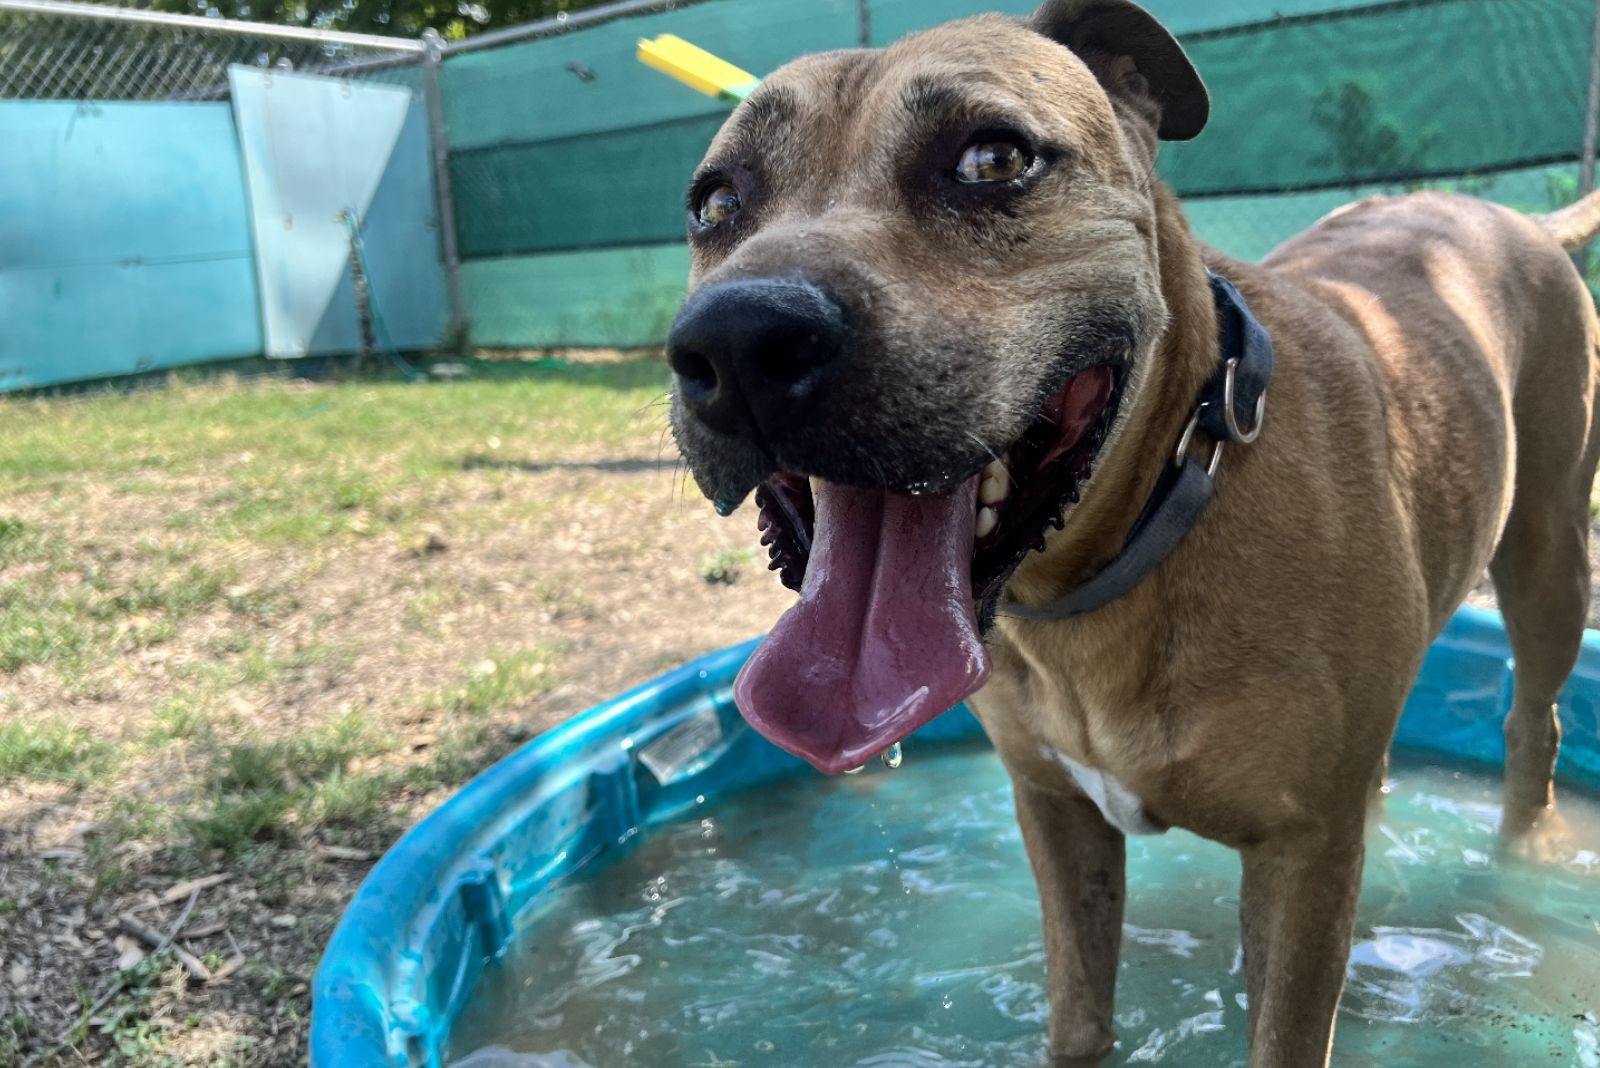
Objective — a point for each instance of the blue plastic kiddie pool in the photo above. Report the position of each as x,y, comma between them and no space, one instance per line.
443,902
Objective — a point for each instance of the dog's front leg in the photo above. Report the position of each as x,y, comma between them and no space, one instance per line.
1297,910
1079,861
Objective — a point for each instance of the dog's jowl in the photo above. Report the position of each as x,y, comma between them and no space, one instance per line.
1178,527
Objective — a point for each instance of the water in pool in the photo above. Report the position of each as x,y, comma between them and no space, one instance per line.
890,920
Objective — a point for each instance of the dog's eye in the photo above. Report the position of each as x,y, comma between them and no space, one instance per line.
993,161
719,204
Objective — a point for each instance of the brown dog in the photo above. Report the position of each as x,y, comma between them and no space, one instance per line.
936,289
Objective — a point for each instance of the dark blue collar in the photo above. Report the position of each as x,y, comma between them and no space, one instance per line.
1230,410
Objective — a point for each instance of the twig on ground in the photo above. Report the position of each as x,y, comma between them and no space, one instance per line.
64,1039
152,937
333,852
227,968
179,891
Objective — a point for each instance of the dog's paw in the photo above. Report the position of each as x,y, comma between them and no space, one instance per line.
1542,837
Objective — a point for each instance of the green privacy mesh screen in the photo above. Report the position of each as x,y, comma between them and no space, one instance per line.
569,158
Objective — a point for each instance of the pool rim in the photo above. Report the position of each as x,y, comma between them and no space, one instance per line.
369,1007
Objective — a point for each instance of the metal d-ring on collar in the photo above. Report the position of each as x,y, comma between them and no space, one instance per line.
1230,419
1185,487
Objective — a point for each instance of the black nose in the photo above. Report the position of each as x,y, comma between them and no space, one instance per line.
752,356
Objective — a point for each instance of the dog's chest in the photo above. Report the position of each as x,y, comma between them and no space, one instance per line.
1121,808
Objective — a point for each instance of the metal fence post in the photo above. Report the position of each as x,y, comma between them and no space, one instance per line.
864,23
432,57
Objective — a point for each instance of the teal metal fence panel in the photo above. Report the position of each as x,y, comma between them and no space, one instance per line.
569,161
400,231
1339,102
621,297
893,19
124,245
318,150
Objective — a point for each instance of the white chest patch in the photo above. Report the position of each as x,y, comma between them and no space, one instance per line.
1117,804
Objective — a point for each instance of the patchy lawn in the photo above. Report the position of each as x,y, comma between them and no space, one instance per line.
251,631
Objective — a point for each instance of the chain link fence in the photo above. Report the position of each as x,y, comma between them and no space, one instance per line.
1318,102
81,52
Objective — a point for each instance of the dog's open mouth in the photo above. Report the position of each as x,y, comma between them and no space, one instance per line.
886,634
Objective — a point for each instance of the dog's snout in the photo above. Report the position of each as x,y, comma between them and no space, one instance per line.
750,356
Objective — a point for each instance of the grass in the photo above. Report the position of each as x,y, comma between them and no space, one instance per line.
229,630
21,543
330,777
726,566
148,1014
258,791
178,719
13,1029
286,466
230,468
51,750
263,432
503,680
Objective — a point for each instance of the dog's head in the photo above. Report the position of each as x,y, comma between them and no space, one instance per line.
917,264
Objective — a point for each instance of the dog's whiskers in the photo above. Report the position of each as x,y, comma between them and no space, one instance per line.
883,478
992,454
661,450
660,401
680,472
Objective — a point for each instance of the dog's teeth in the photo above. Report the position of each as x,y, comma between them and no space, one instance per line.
996,484
988,519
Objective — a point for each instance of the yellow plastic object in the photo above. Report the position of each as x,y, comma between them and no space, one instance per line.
697,68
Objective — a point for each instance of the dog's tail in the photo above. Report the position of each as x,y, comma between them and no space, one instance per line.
1576,224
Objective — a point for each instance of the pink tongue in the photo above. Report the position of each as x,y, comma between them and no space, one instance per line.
883,638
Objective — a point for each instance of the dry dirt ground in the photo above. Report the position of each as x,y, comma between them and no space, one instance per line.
251,631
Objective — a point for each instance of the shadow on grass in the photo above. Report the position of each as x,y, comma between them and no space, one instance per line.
478,462
636,369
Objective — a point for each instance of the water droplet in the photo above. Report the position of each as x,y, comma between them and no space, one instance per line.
892,756
725,508
855,770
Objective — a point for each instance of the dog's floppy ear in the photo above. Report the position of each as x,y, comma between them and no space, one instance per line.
1134,57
